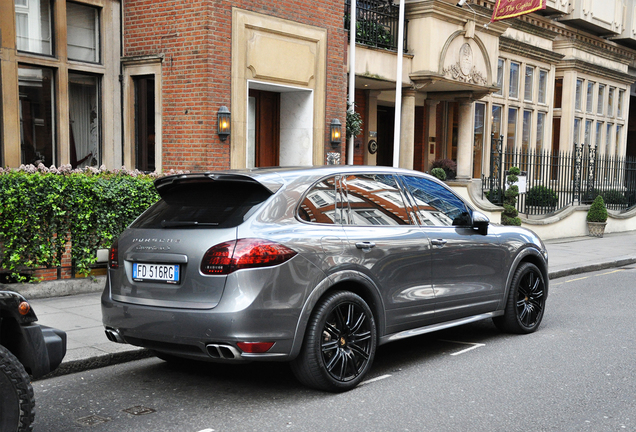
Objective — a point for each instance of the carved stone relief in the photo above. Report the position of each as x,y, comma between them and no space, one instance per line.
464,69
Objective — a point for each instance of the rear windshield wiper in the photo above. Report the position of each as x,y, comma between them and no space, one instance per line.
170,224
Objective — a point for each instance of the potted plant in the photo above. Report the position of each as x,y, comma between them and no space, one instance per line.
439,173
597,217
449,167
510,213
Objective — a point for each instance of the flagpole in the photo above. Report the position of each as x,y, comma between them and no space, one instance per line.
398,88
352,74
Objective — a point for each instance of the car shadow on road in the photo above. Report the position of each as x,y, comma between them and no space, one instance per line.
264,379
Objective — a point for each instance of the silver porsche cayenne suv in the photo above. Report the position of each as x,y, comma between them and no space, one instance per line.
317,266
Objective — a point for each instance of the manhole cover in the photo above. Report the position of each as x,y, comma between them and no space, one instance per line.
139,410
91,420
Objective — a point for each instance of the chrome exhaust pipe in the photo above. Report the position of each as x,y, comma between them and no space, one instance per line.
226,352
114,336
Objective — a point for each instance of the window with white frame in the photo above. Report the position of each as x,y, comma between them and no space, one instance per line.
85,119
617,144
588,132
610,102
540,132
512,129
500,76
496,120
608,138
82,32
577,131
525,130
589,104
619,108
543,86
601,99
577,98
598,136
528,84
34,22
513,89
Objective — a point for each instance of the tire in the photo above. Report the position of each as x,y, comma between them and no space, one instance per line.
526,301
17,402
339,345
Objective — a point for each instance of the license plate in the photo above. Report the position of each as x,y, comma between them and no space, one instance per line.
168,273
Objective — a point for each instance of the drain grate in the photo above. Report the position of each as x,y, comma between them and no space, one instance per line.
139,410
91,420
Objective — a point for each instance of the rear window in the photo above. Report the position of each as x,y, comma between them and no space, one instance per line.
204,203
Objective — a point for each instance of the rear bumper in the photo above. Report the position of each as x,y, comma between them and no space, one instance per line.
195,334
261,305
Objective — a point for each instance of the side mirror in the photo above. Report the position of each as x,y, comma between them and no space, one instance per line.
480,222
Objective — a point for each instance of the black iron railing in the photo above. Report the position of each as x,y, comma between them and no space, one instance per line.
554,181
376,23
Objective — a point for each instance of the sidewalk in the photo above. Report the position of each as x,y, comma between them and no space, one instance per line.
87,347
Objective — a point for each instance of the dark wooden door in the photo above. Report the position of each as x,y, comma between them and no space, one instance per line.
145,122
267,128
386,123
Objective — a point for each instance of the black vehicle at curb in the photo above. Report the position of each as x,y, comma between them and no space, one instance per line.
27,350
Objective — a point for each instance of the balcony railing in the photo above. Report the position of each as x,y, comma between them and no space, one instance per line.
376,23
558,180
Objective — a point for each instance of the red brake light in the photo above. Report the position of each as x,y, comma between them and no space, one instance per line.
227,257
218,259
255,347
113,256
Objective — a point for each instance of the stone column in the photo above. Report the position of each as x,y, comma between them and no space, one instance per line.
407,132
464,141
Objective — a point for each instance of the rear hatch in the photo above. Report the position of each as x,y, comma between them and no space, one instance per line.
157,260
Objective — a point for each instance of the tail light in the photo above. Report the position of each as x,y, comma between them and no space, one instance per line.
255,347
113,256
228,257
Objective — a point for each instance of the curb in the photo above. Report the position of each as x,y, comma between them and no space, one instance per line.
590,268
57,288
97,362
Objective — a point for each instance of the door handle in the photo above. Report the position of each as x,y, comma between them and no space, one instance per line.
438,242
365,246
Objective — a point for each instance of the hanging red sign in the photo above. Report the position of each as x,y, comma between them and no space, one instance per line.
505,9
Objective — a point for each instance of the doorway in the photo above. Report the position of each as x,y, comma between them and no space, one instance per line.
144,122
266,114
386,128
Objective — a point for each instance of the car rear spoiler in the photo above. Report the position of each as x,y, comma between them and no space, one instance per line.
165,184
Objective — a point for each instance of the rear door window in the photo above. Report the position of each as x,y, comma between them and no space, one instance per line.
204,203
375,199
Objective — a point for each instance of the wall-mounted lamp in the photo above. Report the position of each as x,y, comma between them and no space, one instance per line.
224,123
336,132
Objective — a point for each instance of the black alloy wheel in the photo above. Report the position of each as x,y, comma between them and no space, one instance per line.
526,301
17,402
339,345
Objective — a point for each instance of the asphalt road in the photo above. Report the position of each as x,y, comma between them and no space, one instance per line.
577,373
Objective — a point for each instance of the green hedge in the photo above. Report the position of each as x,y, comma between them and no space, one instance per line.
42,208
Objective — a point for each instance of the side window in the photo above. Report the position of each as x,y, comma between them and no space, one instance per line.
374,199
435,204
322,204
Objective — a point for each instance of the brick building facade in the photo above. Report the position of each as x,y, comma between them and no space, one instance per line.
193,44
